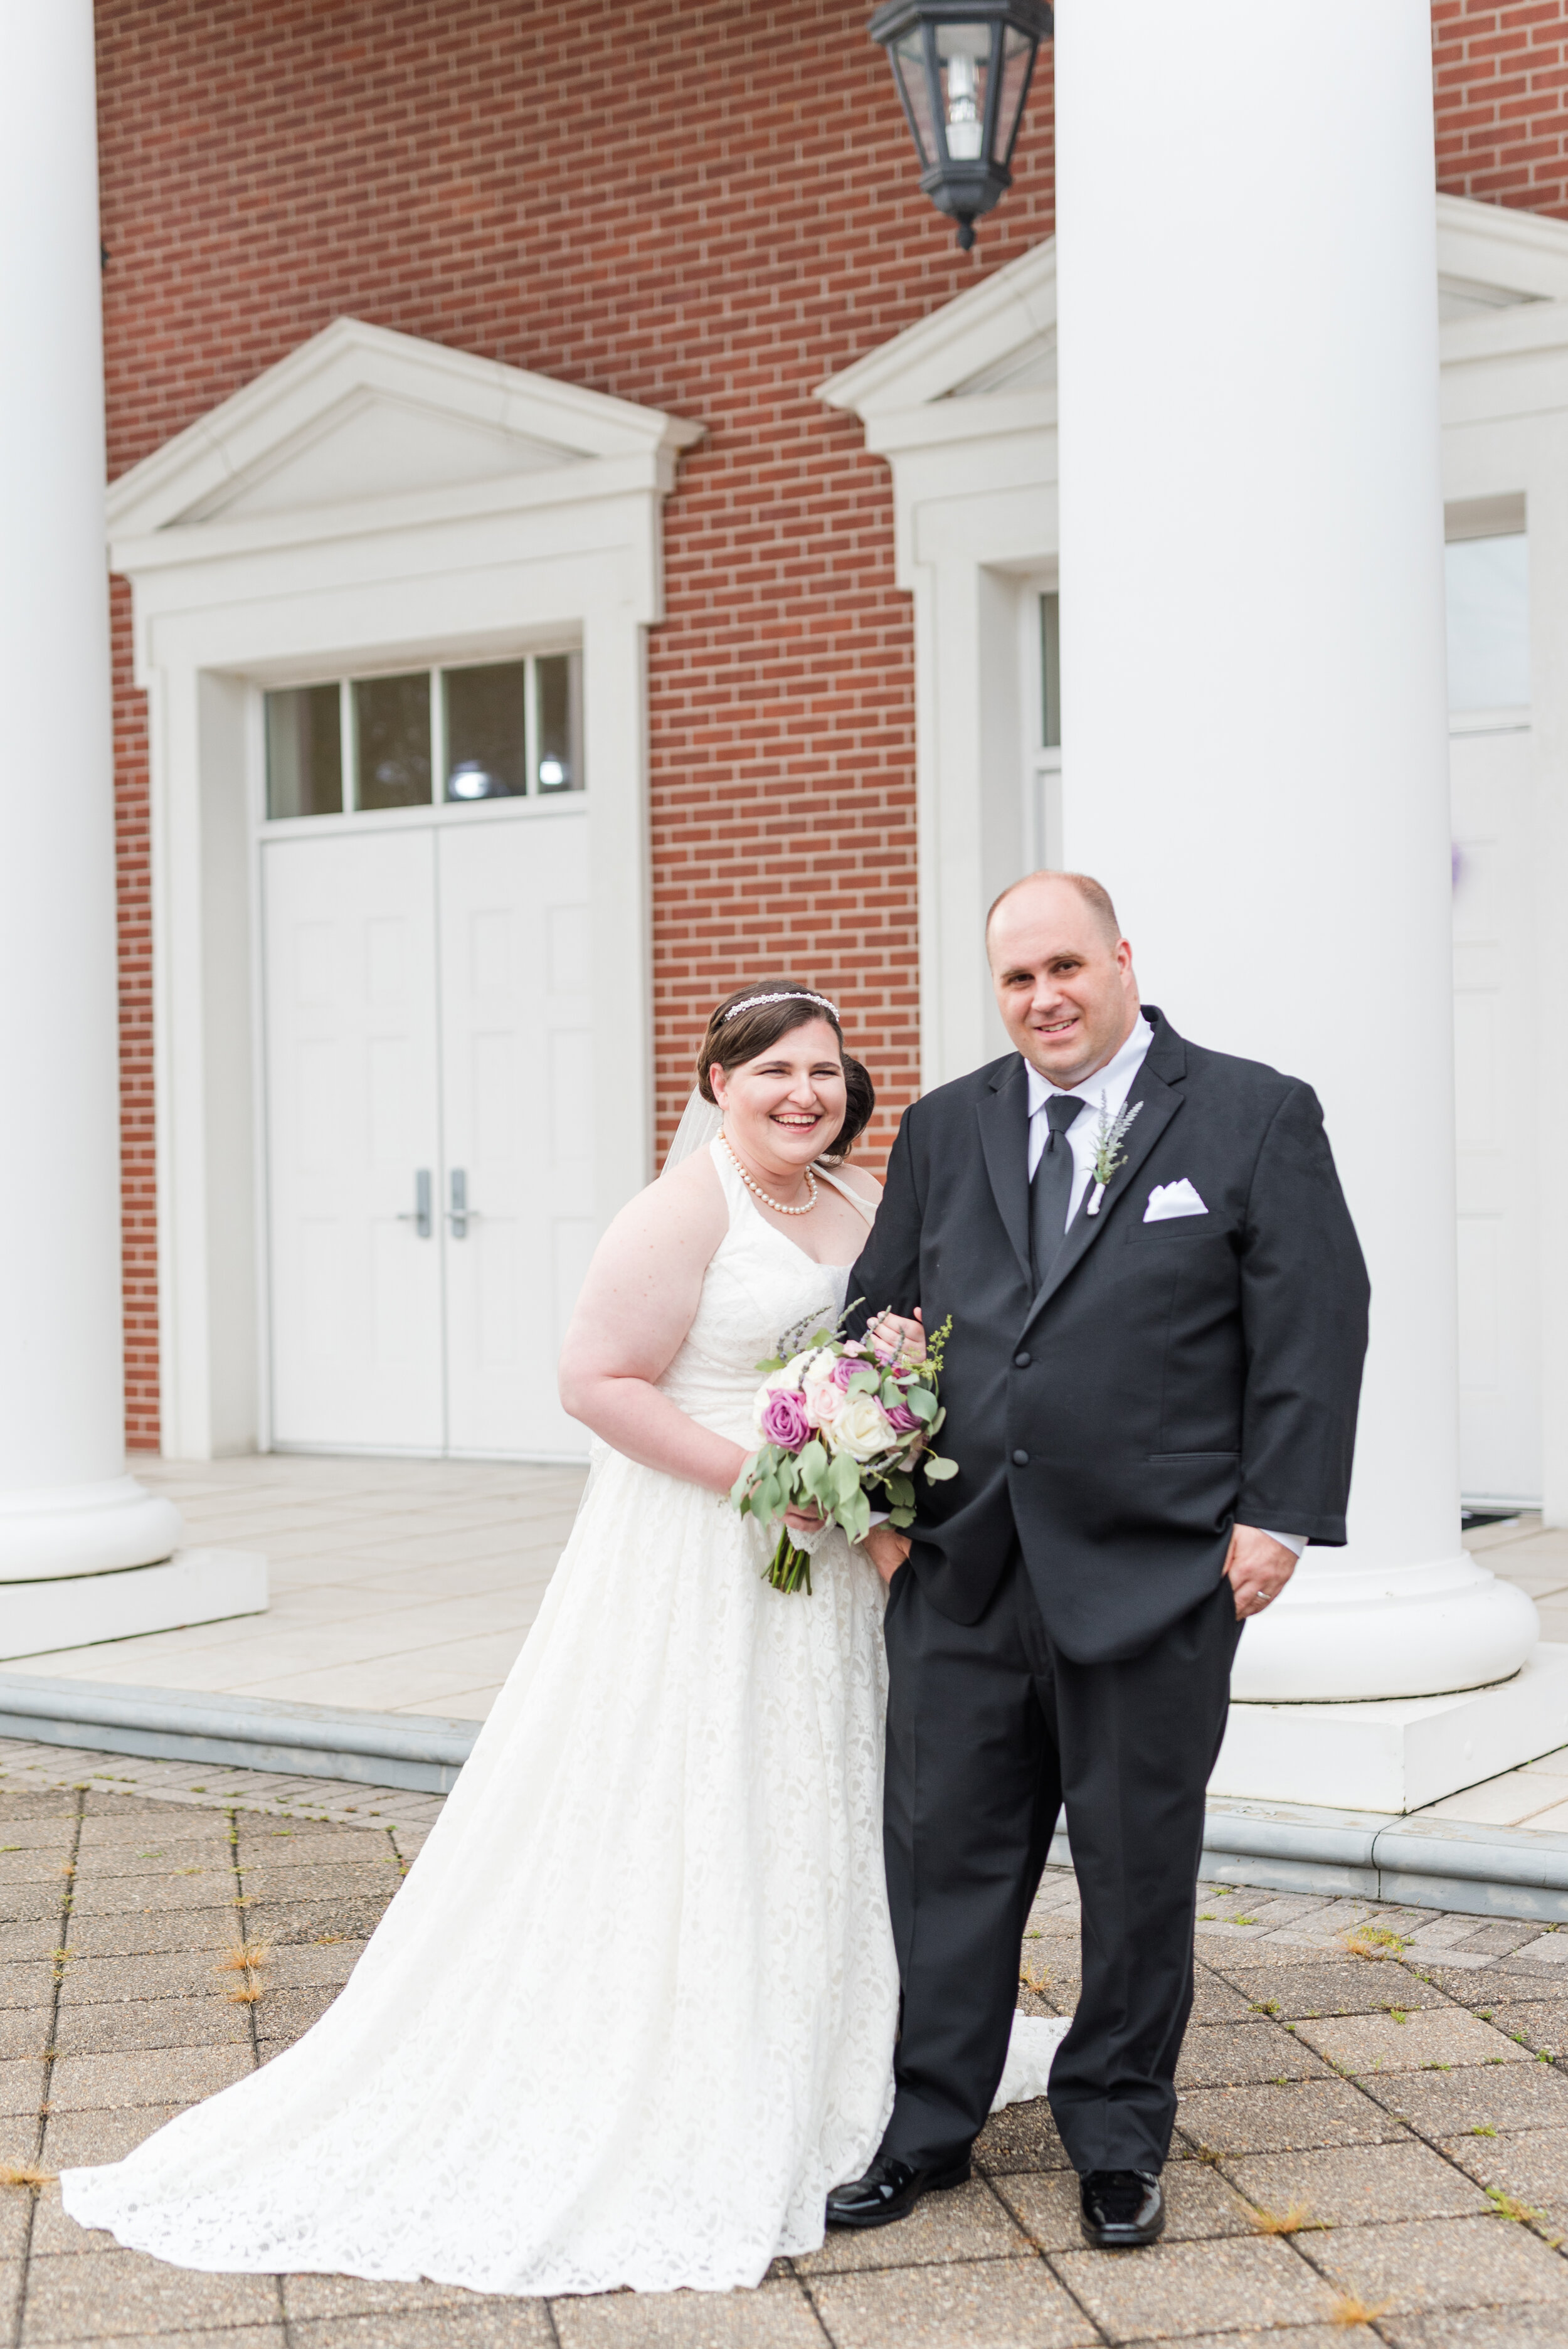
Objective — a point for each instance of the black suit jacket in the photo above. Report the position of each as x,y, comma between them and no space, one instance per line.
1169,1379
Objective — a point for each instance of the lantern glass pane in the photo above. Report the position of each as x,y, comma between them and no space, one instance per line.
963,58
1017,54
909,64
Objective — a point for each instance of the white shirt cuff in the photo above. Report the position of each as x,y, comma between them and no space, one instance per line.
1294,1542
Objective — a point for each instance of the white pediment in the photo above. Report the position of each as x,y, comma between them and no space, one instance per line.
997,342
359,419
370,445
1502,275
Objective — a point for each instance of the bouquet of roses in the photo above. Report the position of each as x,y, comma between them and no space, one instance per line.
837,1420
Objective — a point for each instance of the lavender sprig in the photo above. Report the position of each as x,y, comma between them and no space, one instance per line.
1108,1153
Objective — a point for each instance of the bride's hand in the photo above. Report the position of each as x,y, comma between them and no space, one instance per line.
903,1342
805,1521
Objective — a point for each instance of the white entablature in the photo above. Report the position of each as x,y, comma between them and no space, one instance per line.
371,502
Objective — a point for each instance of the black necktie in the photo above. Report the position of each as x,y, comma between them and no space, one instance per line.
1052,1187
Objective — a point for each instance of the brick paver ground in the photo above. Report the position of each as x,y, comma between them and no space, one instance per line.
1373,2137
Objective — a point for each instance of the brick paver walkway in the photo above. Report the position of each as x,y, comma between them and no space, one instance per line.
1374,2125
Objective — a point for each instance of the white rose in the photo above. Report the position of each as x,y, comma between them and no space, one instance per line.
859,1427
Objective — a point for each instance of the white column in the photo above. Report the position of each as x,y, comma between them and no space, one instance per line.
1255,755
66,1506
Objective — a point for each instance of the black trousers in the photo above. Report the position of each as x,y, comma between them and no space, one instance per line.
990,1732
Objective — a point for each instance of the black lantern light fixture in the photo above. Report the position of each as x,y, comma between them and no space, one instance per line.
963,69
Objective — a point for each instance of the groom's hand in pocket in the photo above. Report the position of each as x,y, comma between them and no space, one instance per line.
887,1548
1258,1568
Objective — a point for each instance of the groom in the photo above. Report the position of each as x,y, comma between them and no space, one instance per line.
1152,1386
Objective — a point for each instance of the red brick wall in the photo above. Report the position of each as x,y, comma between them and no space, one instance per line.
1500,78
705,207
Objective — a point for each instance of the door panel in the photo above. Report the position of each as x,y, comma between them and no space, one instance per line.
352,1094
516,1098
1496,1076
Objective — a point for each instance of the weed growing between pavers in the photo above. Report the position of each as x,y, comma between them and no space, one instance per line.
1347,2310
1297,2221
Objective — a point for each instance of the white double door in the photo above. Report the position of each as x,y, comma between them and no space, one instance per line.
428,1132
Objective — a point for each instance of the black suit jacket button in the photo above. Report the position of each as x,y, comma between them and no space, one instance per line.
1020,1459
1020,1361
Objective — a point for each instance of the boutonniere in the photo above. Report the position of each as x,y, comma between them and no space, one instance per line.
1108,1153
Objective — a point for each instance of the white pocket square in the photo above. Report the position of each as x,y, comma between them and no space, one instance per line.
1169,1199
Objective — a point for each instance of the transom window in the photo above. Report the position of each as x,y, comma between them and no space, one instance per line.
1489,623
502,730
1050,672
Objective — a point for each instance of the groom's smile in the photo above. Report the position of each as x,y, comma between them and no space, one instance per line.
1063,977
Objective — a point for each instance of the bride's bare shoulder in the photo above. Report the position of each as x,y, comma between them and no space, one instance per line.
685,1209
864,1186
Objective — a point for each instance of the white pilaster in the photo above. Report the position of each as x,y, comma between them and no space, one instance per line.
66,1508
1255,752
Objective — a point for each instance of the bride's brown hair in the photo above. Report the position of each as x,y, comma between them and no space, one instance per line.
734,1037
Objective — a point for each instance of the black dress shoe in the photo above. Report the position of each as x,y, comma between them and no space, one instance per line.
889,2190
1122,2209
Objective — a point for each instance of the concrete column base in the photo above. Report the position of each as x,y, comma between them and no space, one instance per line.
84,1529
195,1585
1395,1753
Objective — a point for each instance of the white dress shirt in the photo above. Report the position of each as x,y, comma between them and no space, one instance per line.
1107,1089
1110,1086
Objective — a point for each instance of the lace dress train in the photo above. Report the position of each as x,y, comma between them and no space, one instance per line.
632,2014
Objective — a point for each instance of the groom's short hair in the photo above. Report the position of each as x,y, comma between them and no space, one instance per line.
1094,894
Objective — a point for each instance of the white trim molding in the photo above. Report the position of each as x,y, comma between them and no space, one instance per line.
963,407
372,501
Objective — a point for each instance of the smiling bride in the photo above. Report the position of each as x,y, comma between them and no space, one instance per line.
633,2013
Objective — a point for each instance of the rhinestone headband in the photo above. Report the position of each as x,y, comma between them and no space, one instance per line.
792,995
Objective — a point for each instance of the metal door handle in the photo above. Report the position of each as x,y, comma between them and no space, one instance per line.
418,1215
460,1214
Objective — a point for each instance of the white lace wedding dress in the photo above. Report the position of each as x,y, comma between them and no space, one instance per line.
632,2014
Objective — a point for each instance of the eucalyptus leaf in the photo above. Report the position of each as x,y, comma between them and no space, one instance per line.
813,1460
938,1470
921,1402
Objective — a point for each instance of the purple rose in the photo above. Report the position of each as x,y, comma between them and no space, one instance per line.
844,1370
784,1421
901,1419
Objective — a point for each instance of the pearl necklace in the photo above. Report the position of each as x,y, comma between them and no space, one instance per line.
765,1196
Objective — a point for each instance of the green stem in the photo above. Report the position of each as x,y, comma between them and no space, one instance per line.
790,1569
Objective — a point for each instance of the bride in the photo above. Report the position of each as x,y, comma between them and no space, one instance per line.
632,2012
